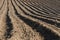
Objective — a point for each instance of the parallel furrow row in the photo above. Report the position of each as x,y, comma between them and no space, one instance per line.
28,20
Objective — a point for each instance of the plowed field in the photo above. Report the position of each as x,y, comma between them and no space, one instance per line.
29,20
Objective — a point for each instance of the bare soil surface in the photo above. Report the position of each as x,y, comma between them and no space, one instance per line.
29,20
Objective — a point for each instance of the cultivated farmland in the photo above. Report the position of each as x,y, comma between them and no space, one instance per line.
29,20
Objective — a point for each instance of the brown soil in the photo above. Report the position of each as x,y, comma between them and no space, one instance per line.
29,20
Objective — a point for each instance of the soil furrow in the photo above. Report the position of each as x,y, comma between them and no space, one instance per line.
32,18
45,20
34,26
29,20
3,23
9,26
2,5
21,31
43,5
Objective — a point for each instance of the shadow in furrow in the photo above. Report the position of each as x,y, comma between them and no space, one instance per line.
45,20
39,7
41,14
47,8
39,11
2,5
57,11
9,27
39,28
43,9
